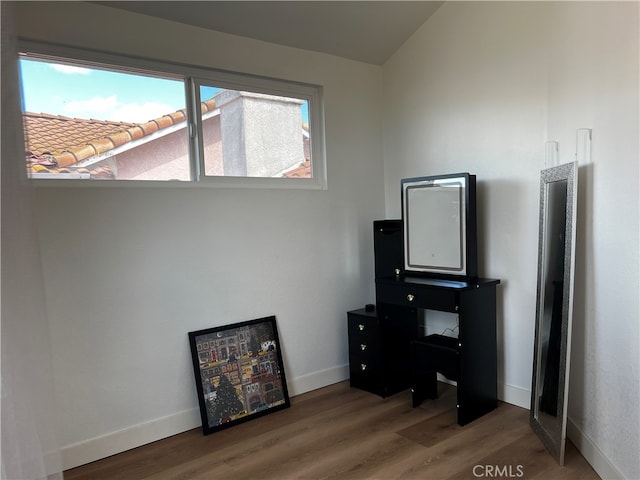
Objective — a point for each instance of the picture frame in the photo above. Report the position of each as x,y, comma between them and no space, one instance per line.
239,372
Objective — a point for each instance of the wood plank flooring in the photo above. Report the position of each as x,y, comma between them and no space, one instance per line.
342,433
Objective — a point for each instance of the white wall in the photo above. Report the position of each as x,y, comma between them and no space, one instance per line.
29,444
129,271
480,87
594,82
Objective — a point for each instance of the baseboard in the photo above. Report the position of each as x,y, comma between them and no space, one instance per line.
120,441
506,393
53,465
315,380
587,448
117,442
517,396
592,454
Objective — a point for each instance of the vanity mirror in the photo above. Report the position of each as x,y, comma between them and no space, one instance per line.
440,226
554,306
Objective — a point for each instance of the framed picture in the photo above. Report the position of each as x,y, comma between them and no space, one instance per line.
239,372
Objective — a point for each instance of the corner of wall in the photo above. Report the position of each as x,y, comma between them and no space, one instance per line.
592,454
120,441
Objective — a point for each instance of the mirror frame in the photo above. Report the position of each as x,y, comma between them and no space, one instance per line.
552,431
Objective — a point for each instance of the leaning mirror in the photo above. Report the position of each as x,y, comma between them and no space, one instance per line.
554,306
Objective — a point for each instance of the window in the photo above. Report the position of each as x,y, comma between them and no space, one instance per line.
94,116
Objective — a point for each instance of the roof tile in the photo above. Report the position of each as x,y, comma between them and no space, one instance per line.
65,159
82,152
208,105
179,116
164,122
149,127
102,145
120,138
136,132
302,171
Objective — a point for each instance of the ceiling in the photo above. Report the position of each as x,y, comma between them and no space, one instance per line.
367,31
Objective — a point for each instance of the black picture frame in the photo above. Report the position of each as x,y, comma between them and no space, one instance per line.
239,374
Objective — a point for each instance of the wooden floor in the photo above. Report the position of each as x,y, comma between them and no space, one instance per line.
342,433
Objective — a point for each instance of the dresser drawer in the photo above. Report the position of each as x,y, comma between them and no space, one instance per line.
364,341
416,295
365,366
364,351
362,329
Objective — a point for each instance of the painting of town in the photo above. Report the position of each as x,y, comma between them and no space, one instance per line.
239,372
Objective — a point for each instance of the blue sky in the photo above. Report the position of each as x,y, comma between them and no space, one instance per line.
103,95
90,93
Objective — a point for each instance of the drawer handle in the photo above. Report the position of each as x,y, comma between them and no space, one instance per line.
360,326
410,297
363,346
363,366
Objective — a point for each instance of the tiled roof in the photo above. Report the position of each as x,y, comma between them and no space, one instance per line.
53,143
56,135
301,171
58,141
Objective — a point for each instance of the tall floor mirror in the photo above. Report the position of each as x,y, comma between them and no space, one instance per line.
554,306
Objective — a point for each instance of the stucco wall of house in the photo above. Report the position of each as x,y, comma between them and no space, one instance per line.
129,271
167,157
164,158
261,135
481,87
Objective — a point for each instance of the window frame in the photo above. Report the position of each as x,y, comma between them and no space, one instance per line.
192,76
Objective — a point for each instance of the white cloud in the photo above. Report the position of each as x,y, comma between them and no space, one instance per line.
95,107
69,69
142,112
109,108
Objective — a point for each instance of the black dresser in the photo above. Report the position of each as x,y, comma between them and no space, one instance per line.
387,353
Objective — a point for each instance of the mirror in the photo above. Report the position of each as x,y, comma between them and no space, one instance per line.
554,306
440,225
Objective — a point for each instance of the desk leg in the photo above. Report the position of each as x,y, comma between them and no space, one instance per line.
425,386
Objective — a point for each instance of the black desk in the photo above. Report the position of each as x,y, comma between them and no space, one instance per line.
401,358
